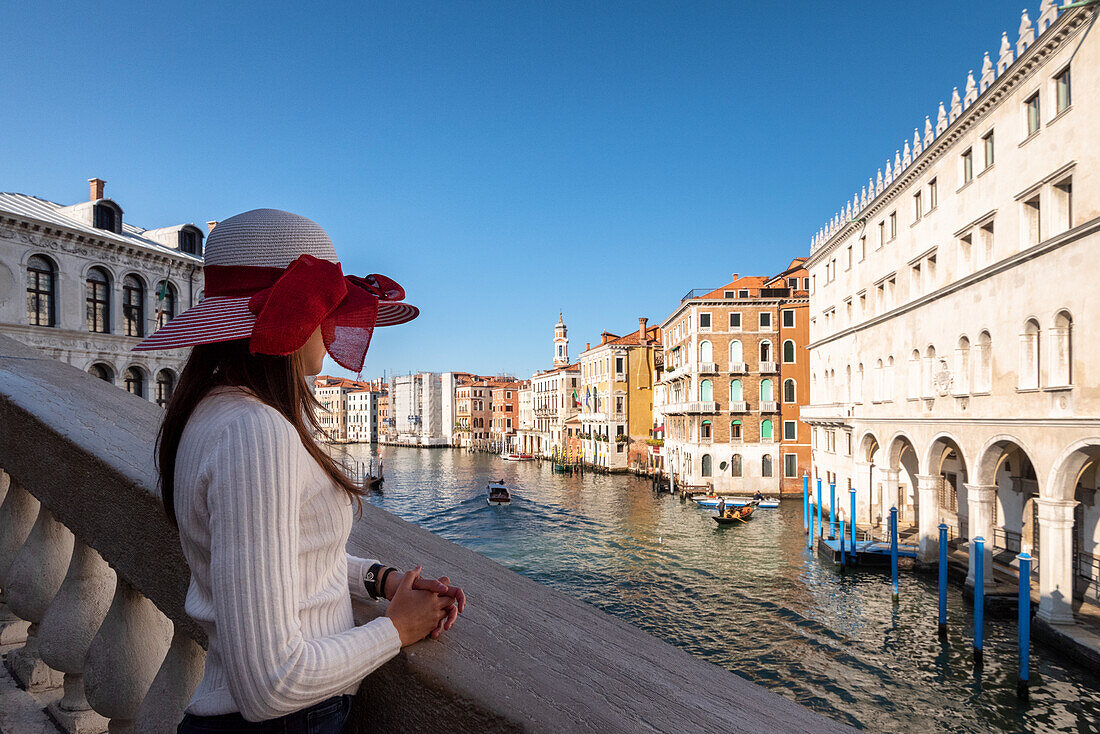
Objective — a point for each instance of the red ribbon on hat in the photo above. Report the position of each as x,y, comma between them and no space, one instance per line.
290,303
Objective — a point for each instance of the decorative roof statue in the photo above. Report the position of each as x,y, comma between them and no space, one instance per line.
1027,34
1006,54
916,144
956,105
941,121
971,90
928,137
987,73
1048,13
906,159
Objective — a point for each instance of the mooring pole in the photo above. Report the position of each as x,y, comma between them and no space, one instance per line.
894,550
1025,624
832,509
820,529
978,547
806,502
852,519
843,556
943,579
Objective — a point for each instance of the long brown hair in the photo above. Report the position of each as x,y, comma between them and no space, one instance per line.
277,381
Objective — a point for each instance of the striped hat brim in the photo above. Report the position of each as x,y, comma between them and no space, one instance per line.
219,319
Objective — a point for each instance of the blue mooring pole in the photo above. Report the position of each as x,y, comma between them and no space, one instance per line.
843,557
820,529
1025,624
894,550
979,596
852,524
832,509
806,502
943,579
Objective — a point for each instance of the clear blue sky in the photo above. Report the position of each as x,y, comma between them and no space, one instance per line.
502,160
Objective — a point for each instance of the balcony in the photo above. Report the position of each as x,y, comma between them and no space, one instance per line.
769,406
708,368
768,367
593,417
675,373
738,368
739,406
111,627
617,418
705,440
696,407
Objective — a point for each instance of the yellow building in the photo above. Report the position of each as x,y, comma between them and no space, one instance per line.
616,394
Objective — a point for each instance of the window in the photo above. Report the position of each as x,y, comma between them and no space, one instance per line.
41,290
102,372
765,320
98,301
618,367
135,381
893,225
705,431
968,165
706,351
790,430
916,207
1032,221
706,392
805,284
743,293
165,385
1031,109
789,391
790,465
189,242
987,144
735,465
881,234
729,294
133,306
1063,204
766,429
735,322
1061,91
933,194
962,366
104,217
985,233
766,391
704,321
788,319
1029,356
788,352
765,351
736,395
1061,343
706,465
766,466
736,355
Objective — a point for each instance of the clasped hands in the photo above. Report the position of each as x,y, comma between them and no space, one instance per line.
422,607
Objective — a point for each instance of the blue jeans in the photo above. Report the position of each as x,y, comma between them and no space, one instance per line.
327,717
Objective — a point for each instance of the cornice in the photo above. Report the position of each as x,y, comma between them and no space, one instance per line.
1063,30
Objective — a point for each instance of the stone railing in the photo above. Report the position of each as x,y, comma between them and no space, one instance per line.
94,581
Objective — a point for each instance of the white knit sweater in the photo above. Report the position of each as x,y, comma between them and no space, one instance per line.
263,529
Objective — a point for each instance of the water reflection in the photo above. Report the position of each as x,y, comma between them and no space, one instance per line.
750,598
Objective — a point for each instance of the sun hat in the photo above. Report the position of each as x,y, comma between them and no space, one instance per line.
273,277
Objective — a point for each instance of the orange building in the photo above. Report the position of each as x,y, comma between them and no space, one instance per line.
505,413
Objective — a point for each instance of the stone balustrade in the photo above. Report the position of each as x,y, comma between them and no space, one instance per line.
94,582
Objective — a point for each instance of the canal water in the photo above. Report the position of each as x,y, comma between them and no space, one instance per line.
749,598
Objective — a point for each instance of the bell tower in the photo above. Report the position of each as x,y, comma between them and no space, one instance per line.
561,344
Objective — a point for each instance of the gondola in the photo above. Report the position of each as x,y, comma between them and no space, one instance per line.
736,516
498,493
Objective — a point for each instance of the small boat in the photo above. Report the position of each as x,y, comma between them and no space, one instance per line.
525,457
738,515
711,502
498,493
511,457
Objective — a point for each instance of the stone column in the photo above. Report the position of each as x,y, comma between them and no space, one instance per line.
928,519
1056,560
979,500
892,498
33,581
17,514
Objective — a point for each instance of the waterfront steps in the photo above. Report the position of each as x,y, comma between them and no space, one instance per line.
88,559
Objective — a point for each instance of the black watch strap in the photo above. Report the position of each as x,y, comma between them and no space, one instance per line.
370,580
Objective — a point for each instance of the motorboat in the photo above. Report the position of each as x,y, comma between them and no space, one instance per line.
711,502
498,493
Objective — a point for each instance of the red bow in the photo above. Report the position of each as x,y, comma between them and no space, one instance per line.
291,303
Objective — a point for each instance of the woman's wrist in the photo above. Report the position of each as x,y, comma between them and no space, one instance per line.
391,582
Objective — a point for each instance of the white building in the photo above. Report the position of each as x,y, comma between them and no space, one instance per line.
362,415
416,406
954,327
85,287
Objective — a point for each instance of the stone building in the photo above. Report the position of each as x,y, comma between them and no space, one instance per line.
363,418
554,400
616,393
85,287
735,377
416,409
505,413
952,352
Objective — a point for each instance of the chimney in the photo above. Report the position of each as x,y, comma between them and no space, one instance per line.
587,346
210,225
95,186
641,330
736,276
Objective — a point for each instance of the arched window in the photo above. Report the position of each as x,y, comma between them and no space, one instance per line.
1029,355
765,351
106,216
876,392
961,381
706,352
166,382
1061,350
102,371
914,374
705,431
766,465
706,465
848,384
735,391
788,391
41,292
735,465
166,303
134,380
857,391
983,373
735,430
706,393
766,429
133,306
766,391
888,379
98,299
930,362
788,351
736,354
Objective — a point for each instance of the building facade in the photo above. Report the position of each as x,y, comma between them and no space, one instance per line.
736,374
416,409
951,352
505,414
85,287
363,419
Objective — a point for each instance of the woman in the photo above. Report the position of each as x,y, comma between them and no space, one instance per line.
263,512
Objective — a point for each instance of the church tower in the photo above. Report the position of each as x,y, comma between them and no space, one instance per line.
561,344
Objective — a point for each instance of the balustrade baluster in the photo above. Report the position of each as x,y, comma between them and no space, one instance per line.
32,583
66,631
17,513
171,690
124,657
